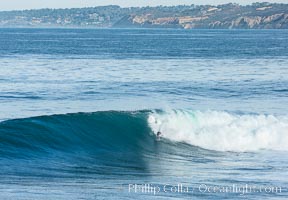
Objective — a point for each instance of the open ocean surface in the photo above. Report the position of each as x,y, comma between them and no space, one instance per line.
79,110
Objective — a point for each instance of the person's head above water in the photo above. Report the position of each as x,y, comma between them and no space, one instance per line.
158,133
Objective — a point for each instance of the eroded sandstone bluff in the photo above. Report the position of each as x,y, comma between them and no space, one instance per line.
229,16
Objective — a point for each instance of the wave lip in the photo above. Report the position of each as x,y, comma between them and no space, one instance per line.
222,131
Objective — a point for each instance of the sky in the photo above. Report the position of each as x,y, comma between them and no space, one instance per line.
35,4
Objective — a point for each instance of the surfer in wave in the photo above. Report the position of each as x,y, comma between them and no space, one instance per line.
159,135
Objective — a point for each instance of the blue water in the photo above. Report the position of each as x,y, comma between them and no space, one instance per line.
79,110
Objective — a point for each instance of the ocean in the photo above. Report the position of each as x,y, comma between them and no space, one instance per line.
80,110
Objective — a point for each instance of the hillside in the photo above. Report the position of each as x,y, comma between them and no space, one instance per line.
255,16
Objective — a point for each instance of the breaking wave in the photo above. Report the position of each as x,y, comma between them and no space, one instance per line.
114,133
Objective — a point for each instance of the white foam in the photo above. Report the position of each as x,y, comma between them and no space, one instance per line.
222,131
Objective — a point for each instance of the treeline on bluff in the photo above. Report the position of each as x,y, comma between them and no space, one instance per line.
235,16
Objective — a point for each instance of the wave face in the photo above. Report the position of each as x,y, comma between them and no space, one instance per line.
81,132
223,131
116,133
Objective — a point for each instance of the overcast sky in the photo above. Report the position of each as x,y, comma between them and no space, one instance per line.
34,4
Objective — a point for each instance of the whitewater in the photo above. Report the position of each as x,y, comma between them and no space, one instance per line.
222,131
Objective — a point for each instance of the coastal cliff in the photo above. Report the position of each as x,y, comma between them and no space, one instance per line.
226,16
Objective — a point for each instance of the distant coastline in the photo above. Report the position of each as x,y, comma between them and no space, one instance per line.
226,16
